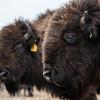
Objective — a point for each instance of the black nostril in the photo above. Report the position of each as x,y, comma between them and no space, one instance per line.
47,72
4,73
47,75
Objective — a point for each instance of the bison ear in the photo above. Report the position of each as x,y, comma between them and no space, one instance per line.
27,36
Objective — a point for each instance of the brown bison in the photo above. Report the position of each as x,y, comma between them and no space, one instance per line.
20,57
71,48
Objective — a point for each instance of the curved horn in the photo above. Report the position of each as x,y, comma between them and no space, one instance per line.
84,19
29,32
27,36
93,32
29,28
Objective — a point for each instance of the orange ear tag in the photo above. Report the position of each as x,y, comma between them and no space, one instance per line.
34,48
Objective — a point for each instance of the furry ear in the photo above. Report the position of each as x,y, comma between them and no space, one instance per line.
31,38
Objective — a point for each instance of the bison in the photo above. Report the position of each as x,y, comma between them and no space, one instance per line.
20,57
22,27
71,48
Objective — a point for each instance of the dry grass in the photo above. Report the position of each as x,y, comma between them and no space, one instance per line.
37,96
98,97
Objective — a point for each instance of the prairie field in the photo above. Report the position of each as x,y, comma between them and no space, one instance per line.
37,96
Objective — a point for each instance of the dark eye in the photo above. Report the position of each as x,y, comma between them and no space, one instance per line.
20,48
70,38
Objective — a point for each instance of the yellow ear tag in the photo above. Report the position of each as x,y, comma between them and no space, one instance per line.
34,48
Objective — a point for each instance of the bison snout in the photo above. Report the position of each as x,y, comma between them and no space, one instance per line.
4,73
47,72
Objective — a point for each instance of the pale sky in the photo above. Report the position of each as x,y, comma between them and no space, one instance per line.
11,9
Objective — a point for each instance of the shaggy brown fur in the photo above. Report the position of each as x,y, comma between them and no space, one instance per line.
18,65
19,28
71,48
41,23
14,49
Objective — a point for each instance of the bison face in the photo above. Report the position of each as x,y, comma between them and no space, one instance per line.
71,51
16,47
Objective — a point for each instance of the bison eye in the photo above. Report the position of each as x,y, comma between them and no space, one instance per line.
70,38
19,48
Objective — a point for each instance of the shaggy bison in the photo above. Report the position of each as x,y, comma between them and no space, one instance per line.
71,48
17,32
20,57
12,63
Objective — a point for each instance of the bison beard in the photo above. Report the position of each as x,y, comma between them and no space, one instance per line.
71,48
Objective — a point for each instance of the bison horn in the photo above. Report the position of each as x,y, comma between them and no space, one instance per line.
84,18
29,28
4,73
28,34
93,32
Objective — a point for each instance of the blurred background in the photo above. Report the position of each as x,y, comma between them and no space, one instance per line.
30,9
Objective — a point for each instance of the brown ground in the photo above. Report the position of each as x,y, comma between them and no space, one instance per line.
37,96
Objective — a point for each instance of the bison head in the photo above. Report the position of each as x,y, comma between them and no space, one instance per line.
71,47
17,42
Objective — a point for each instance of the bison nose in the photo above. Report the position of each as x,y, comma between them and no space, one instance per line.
47,72
4,73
